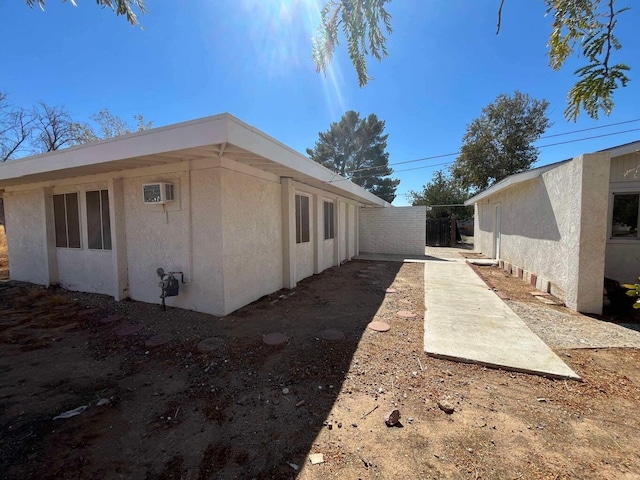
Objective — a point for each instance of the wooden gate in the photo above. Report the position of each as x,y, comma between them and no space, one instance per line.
439,232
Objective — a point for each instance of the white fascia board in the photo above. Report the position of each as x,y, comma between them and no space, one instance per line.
511,181
255,141
205,131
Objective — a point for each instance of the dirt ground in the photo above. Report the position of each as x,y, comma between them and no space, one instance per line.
248,410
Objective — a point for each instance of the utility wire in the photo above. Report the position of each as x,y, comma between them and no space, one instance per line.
572,132
448,163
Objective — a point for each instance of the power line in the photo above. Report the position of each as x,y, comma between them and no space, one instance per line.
572,132
540,146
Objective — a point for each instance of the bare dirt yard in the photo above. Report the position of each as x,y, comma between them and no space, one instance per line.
248,410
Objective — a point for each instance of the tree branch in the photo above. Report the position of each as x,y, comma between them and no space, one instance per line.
500,16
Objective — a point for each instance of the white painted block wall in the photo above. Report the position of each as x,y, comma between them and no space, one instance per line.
393,230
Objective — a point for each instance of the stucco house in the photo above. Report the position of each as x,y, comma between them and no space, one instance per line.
239,213
566,226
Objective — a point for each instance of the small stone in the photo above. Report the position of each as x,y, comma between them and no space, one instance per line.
379,326
294,466
285,391
275,339
316,458
354,425
380,390
541,399
410,419
392,290
340,425
392,418
212,344
330,426
446,407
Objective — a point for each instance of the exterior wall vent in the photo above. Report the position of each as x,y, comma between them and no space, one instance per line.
157,193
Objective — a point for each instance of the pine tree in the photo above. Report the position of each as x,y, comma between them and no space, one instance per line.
356,149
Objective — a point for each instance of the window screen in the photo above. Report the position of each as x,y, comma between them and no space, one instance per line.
98,221
302,219
328,221
67,220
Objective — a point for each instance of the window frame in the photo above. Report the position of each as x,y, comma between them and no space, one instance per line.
78,230
303,225
633,189
329,223
104,217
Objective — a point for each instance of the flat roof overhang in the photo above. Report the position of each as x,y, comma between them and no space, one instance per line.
212,137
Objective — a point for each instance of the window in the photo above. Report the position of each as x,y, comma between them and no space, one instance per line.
98,221
328,221
625,215
302,219
67,220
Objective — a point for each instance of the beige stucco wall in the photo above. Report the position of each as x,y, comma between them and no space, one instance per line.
25,220
157,238
252,238
554,226
77,269
623,255
224,230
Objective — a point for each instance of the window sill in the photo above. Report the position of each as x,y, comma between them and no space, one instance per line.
623,241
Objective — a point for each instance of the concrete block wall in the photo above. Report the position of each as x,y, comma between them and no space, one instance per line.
393,230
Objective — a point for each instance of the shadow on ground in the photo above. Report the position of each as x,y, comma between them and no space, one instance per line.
244,410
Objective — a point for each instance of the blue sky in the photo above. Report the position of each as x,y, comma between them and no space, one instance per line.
252,58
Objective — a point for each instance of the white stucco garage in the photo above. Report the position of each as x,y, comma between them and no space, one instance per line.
566,226
249,215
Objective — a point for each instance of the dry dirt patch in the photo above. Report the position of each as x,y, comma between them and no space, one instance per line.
248,410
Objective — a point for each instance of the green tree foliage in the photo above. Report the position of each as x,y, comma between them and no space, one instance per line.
633,290
442,190
500,142
356,149
581,28
119,7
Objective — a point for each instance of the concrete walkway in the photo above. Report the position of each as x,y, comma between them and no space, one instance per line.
465,321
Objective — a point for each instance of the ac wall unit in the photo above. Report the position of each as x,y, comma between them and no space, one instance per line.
157,193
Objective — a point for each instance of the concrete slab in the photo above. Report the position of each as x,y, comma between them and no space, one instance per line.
466,321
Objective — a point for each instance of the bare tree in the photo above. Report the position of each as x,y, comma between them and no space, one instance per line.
111,125
54,128
15,129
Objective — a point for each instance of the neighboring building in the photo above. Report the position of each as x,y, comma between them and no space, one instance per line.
249,215
565,227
